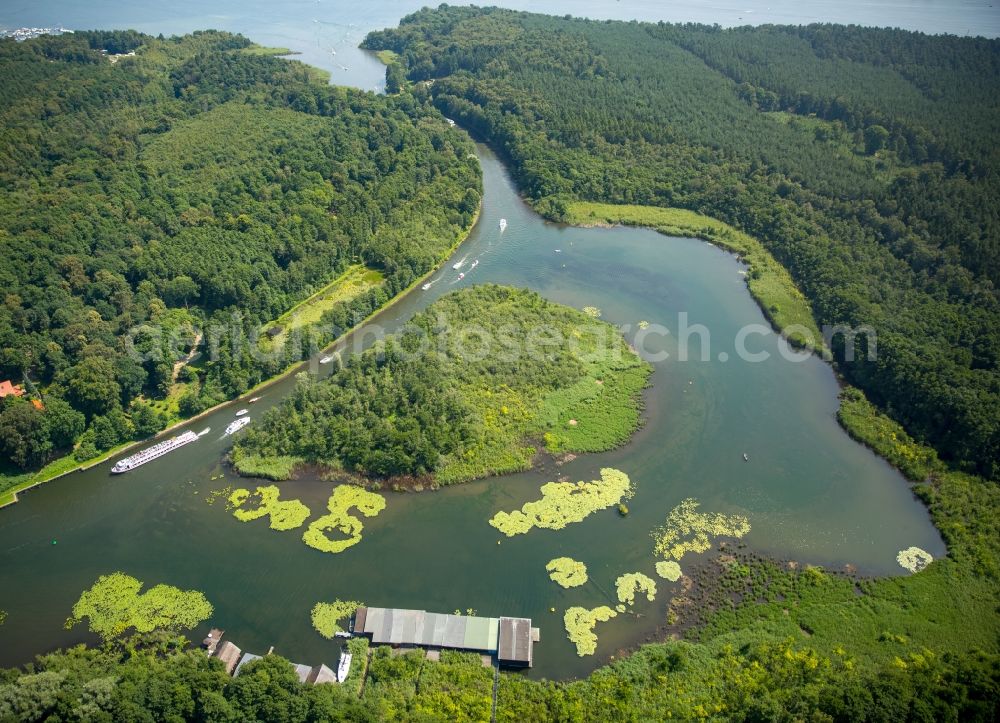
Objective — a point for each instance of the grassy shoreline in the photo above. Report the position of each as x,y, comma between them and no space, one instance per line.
928,610
65,465
769,282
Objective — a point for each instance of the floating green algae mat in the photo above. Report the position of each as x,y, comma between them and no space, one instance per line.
567,572
580,623
627,585
326,617
668,570
284,514
563,503
687,530
340,520
113,606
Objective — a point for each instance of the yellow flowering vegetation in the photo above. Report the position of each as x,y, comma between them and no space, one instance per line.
566,502
327,616
580,624
687,530
630,583
567,572
284,514
341,501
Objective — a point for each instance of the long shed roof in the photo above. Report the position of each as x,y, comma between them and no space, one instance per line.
397,626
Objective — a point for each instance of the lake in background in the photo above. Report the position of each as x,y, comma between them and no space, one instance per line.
326,32
810,493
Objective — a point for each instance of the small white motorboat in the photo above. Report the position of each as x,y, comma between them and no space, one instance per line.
746,457
459,264
461,276
253,399
237,425
326,360
344,667
242,412
503,224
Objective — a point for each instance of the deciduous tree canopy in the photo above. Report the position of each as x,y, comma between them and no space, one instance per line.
177,186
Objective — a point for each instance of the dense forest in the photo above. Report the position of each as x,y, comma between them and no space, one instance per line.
193,185
154,678
462,392
864,159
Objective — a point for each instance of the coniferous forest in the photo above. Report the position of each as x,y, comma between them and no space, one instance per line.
193,184
865,160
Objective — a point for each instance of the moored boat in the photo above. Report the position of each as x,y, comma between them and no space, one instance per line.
344,667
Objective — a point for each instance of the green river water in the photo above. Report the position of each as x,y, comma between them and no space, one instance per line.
811,494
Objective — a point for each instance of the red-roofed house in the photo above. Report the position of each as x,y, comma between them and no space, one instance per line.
6,389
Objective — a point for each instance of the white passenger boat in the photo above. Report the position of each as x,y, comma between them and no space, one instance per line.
150,453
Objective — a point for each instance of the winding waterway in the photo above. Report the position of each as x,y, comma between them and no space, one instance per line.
810,493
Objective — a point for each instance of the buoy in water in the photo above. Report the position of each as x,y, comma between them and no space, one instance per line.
54,542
